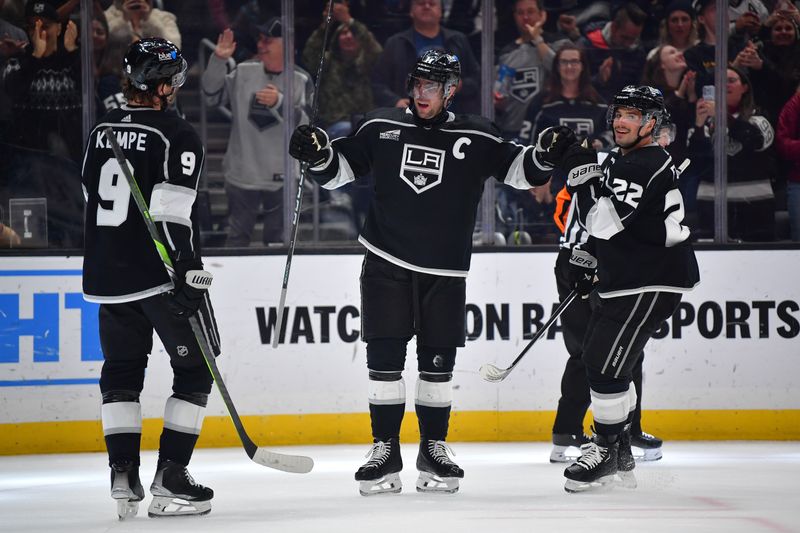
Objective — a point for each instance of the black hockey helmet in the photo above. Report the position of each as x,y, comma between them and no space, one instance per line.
438,66
646,99
154,60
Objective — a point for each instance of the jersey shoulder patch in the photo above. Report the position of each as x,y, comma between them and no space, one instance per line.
385,117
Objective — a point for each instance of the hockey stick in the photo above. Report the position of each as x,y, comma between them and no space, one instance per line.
494,374
287,463
298,202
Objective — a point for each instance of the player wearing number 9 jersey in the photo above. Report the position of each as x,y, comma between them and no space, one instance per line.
125,274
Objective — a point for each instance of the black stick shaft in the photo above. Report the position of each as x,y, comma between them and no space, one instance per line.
557,313
205,349
298,202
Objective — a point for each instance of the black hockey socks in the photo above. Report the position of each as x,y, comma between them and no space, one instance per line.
387,403
183,419
434,397
121,416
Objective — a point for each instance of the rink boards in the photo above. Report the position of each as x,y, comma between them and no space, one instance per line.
727,365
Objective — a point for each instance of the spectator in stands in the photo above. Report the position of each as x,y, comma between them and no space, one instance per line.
108,55
12,42
678,27
751,201
701,57
402,50
787,139
746,19
254,162
666,70
44,85
131,20
524,64
569,99
779,76
345,90
616,56
12,39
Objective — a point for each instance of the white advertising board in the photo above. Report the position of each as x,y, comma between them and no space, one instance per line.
732,344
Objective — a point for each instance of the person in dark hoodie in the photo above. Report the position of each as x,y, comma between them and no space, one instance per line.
402,50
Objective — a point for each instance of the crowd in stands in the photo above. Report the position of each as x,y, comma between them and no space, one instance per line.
556,62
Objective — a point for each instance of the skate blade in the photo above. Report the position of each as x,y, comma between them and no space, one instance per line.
646,454
565,454
388,484
604,483
626,480
126,508
427,482
165,506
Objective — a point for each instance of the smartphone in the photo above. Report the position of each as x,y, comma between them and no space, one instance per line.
708,92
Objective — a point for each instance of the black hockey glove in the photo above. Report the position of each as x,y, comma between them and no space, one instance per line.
552,143
582,270
191,285
310,145
580,163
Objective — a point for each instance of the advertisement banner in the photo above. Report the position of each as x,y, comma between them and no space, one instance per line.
731,345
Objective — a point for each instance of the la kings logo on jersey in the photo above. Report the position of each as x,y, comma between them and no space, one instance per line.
422,167
526,84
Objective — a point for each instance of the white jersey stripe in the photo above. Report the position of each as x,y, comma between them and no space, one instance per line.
173,202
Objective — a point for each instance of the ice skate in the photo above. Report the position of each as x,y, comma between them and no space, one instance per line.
437,472
567,447
625,461
175,492
648,447
380,474
126,488
595,469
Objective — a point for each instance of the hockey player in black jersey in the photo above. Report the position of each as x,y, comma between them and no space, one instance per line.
123,272
639,254
429,167
575,399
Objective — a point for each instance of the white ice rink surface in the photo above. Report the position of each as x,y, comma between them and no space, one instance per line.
697,487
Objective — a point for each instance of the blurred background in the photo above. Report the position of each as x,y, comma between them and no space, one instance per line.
527,64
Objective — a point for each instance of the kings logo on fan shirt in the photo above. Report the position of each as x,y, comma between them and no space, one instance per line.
48,333
422,167
526,84
581,126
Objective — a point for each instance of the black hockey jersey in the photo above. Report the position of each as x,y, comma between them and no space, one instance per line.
428,183
166,156
587,119
635,225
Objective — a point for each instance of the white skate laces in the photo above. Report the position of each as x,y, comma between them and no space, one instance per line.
591,456
379,454
439,451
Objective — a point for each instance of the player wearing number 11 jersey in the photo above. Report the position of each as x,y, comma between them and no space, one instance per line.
123,272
